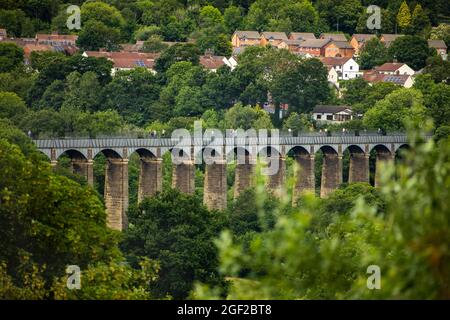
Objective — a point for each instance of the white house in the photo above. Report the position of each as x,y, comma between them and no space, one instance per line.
333,114
333,76
395,68
346,68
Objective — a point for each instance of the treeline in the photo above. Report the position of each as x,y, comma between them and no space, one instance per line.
211,23
59,95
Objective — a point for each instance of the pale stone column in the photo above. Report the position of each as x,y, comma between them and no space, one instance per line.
150,178
382,157
276,181
244,176
331,173
215,185
305,178
358,168
116,193
183,176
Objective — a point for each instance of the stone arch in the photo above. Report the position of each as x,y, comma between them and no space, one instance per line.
150,173
331,176
358,164
380,148
73,154
297,150
144,153
381,155
109,153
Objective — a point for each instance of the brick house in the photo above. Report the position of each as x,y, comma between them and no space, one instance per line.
359,40
333,36
387,39
440,47
55,39
123,61
245,38
395,68
301,36
314,47
273,38
338,49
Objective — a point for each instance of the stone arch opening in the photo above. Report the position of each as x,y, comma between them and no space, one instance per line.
74,161
145,175
302,172
328,170
379,155
355,163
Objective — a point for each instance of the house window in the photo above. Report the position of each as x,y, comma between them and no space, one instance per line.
346,76
351,67
319,116
329,117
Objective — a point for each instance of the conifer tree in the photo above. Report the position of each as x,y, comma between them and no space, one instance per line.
404,16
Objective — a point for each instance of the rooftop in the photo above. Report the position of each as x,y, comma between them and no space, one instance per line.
330,109
334,61
440,44
363,37
390,66
248,34
314,43
274,35
333,36
301,35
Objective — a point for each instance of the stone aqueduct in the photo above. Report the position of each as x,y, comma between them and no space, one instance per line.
302,148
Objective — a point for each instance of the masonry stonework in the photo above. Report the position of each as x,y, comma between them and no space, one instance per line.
150,178
116,193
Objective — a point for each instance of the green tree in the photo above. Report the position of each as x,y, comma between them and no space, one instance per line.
154,44
132,93
404,16
412,50
420,23
101,12
177,230
12,107
441,32
11,56
96,35
396,110
373,54
210,17
233,18
246,117
439,69
178,52
297,123
83,92
45,213
18,81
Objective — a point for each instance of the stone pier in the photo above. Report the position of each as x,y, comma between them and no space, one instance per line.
84,168
116,193
215,185
150,178
331,173
243,177
305,178
276,181
183,176
382,157
359,167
